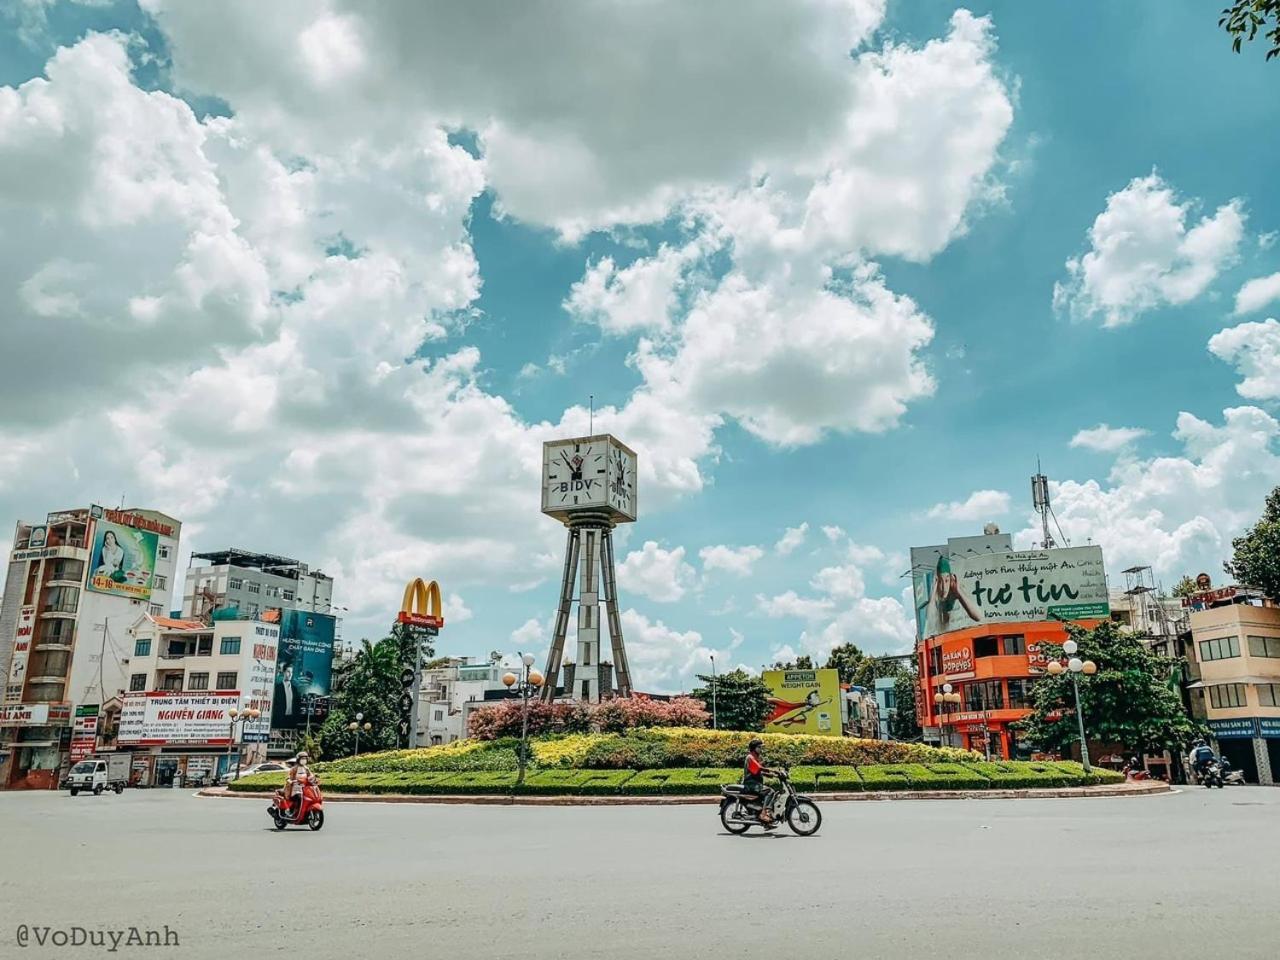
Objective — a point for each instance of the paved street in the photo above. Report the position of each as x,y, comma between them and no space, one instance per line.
975,878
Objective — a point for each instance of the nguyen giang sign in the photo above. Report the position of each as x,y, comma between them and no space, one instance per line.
1064,584
177,718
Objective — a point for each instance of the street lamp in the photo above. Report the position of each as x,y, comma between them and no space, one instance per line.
714,717
525,686
355,727
240,717
944,700
1076,666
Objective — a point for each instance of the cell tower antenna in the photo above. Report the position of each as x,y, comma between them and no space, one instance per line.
591,415
1043,506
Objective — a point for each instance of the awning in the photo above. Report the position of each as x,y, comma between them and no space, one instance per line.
1222,683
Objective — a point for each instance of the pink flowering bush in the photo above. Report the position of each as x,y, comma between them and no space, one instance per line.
611,716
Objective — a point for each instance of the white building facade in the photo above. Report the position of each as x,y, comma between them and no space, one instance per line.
450,692
75,583
251,583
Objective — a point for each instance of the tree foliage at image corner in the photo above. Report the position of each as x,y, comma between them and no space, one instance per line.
1244,19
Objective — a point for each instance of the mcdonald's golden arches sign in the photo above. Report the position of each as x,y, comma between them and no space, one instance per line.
421,605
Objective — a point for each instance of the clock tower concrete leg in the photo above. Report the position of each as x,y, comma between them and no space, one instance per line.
621,670
586,678
556,653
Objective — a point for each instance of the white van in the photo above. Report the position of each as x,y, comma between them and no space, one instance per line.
109,772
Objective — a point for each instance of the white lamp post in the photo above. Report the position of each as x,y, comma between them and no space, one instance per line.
525,686
355,727
1075,666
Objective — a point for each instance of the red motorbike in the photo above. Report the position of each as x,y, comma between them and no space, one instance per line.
309,809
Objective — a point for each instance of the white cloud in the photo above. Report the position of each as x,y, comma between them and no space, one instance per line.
1176,514
842,582
980,505
1258,293
656,573
1107,439
876,626
791,604
530,634
1143,255
833,533
864,554
664,659
641,297
791,540
735,560
1254,348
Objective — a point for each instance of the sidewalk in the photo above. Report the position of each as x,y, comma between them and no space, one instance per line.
1144,788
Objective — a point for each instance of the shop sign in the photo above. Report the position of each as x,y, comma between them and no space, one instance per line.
1037,658
1269,726
34,714
957,660
1240,728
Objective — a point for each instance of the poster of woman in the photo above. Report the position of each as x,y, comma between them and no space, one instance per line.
123,560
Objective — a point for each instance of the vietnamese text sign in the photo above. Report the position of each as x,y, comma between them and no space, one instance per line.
304,659
258,685
803,701
1240,728
21,648
1029,585
177,718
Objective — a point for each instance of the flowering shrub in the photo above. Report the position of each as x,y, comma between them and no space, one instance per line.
610,716
457,756
567,753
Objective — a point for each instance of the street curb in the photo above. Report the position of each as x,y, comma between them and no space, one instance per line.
1143,789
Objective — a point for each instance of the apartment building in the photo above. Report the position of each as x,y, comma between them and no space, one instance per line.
250,583
451,689
75,582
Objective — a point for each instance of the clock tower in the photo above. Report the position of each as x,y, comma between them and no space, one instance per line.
589,485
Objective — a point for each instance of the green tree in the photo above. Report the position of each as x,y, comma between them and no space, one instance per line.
741,700
1185,587
1245,18
847,660
902,720
1132,700
369,684
1256,558
802,662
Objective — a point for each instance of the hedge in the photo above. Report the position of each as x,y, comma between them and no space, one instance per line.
669,781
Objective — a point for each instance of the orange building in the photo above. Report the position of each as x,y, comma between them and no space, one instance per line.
991,666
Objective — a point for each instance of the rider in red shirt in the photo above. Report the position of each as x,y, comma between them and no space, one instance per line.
753,773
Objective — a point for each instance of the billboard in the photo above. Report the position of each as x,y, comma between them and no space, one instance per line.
21,649
122,561
164,718
803,701
258,685
304,660
957,592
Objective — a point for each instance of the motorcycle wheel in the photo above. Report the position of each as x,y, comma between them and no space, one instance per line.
315,819
280,822
119,789
804,818
97,789
733,826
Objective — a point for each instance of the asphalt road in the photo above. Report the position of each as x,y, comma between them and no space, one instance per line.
1131,877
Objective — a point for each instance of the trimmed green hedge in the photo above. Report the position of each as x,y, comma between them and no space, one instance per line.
702,781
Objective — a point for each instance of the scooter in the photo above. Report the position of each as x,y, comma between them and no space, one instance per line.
1212,775
310,807
738,814
1231,777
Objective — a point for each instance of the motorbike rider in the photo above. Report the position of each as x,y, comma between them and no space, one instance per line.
299,773
753,773
1200,758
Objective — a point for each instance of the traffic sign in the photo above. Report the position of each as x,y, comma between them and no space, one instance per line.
406,677
406,703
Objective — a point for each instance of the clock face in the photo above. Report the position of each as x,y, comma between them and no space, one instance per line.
576,475
622,481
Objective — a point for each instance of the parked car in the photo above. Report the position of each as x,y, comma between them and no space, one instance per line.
267,766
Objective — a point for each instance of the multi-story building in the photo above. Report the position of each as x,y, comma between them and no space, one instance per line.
185,676
451,689
75,583
1235,684
251,583
886,703
861,713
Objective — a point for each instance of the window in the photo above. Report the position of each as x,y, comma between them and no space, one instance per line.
935,660
230,646
986,647
164,552
235,583
138,681
891,699
254,587
1014,646
204,646
1219,648
1020,694
156,610
1264,646
251,609
272,590
160,582
1269,694
438,715
1227,695
197,681
142,648
986,695
286,594
172,682
227,680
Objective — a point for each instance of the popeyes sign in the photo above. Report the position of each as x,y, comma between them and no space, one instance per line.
957,659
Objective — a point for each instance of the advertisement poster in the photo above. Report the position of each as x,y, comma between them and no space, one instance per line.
258,684
35,715
22,638
177,718
1067,584
84,732
803,701
122,561
303,663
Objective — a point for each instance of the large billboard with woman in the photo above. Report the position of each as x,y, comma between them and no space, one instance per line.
123,560
304,661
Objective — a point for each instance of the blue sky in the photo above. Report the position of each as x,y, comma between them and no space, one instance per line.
322,281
